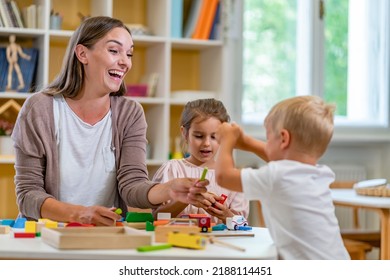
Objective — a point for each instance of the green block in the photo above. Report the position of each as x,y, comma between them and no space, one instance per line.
137,217
149,226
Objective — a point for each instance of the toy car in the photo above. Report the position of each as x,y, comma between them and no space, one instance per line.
236,221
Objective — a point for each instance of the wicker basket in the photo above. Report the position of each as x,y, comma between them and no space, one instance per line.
383,190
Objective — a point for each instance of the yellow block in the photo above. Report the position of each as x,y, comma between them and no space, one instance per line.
30,226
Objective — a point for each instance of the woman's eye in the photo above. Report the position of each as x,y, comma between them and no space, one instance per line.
129,55
114,51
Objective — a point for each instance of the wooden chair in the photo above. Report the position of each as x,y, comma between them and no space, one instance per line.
358,241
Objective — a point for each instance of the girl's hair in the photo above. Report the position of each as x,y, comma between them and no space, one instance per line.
71,77
308,119
203,109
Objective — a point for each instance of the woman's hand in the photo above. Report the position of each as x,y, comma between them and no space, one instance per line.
97,215
188,190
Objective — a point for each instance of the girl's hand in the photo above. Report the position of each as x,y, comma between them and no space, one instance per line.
220,211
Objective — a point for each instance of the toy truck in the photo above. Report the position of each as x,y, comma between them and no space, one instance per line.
204,221
233,223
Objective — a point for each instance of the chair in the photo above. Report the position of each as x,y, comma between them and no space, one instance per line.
358,241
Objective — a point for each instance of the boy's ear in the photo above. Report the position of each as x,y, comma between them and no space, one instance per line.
285,138
81,54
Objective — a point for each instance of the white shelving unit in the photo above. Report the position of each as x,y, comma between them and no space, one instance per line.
182,64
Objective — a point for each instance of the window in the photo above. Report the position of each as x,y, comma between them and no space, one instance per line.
337,49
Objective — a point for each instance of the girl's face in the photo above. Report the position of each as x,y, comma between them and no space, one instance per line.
201,141
108,61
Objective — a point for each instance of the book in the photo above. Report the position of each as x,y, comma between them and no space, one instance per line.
177,18
5,16
206,24
200,20
17,13
11,13
215,28
193,15
28,69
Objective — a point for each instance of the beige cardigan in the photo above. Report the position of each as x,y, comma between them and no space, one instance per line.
36,165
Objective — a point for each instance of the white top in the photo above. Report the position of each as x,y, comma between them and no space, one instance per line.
181,168
87,162
297,208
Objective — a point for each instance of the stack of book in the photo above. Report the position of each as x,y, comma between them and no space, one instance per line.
195,19
10,15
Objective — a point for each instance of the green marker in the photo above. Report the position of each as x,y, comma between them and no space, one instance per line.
154,247
118,211
203,177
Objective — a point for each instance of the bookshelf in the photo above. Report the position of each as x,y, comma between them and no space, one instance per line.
182,64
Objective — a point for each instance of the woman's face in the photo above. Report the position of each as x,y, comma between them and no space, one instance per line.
108,61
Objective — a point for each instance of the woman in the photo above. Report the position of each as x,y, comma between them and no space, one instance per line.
80,146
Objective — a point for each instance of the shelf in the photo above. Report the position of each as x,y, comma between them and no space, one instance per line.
7,159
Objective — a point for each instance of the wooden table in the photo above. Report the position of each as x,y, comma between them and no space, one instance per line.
348,197
260,246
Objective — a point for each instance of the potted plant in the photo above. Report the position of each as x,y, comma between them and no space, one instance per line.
6,143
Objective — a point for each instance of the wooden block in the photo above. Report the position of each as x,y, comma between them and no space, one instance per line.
140,225
30,226
161,232
24,235
4,229
95,237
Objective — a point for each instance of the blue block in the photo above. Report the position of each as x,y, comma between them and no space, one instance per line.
19,223
8,222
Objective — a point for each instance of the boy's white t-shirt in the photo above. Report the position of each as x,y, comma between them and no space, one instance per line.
87,160
298,208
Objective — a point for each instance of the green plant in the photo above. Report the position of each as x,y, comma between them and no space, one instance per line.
6,127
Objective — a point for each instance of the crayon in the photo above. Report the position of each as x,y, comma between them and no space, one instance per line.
149,248
203,177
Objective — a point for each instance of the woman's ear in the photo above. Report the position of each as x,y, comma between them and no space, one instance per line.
285,138
81,54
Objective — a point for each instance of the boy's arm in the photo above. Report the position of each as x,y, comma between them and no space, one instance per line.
250,144
226,174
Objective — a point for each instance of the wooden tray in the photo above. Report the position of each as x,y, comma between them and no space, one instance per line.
95,237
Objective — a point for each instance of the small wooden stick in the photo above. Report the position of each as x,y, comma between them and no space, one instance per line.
213,240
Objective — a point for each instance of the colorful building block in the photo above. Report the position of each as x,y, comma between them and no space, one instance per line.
30,226
4,229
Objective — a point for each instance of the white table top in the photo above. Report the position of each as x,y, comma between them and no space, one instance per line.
260,246
349,196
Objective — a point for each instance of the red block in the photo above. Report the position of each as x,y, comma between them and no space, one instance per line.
24,235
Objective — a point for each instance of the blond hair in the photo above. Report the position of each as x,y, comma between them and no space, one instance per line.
309,121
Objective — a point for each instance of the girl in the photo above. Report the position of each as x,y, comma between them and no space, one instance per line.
200,120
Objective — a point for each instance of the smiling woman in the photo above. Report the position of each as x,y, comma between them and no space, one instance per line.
85,154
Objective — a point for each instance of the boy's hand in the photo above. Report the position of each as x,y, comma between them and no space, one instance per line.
229,132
